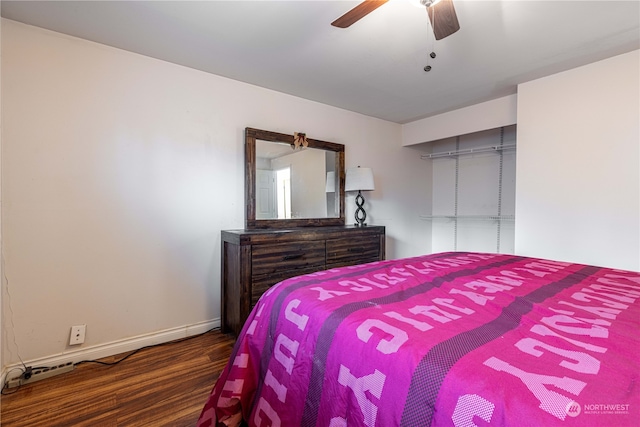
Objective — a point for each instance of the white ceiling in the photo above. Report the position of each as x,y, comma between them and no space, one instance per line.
375,67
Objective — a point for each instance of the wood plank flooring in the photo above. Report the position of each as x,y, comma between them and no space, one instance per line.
165,385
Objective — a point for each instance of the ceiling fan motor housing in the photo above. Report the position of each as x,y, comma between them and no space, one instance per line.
444,22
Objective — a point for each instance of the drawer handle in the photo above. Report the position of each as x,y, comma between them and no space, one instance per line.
292,256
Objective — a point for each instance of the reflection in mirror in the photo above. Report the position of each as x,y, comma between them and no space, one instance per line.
287,187
293,183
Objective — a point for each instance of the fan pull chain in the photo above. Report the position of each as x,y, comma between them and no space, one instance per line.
430,39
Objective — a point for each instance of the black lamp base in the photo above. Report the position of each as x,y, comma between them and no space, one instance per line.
361,215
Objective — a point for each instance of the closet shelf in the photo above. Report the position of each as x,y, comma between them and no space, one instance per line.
471,217
468,151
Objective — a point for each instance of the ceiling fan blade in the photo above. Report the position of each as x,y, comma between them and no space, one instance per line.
358,13
443,19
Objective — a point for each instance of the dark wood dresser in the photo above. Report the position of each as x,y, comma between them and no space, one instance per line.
254,260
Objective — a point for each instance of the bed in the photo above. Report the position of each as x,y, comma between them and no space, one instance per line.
449,339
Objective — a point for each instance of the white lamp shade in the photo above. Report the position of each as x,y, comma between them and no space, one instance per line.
331,182
359,179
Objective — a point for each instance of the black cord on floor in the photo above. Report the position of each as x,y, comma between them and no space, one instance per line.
144,348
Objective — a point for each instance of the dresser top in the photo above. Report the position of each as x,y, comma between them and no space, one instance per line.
244,236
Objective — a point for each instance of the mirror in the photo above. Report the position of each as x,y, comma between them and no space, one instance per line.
287,187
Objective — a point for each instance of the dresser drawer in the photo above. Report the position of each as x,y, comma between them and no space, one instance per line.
280,257
348,251
260,284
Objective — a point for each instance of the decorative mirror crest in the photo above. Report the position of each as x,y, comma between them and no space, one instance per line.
300,140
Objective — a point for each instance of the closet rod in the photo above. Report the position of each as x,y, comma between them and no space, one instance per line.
468,151
471,217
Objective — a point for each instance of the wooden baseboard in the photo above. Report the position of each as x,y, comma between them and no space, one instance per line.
115,347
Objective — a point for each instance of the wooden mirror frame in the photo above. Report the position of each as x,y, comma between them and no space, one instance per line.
251,135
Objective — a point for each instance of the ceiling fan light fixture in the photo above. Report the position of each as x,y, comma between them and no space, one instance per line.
428,3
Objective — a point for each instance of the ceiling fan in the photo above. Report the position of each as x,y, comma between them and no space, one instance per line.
441,14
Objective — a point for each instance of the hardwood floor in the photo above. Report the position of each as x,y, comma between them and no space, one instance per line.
165,385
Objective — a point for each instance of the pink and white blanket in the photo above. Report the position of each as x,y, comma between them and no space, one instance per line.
451,339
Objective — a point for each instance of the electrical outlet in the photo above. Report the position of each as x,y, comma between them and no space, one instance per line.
77,334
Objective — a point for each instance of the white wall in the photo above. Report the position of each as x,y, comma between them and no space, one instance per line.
578,165
403,191
475,118
120,171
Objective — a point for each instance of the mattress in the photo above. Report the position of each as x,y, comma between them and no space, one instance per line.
449,339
